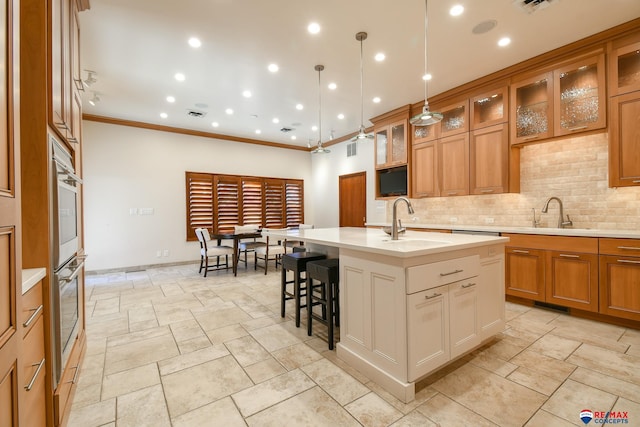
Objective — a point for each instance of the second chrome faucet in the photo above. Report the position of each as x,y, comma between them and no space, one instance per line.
561,222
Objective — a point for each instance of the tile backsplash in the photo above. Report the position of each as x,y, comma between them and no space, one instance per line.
573,169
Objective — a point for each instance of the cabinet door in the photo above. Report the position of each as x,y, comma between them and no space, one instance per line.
532,109
34,376
525,273
455,119
425,170
624,68
453,165
624,141
491,290
398,154
381,138
464,317
60,73
489,163
425,133
579,96
427,331
620,286
490,108
572,280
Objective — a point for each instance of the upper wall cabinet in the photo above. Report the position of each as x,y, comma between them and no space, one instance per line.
624,68
455,119
579,96
490,108
391,144
567,100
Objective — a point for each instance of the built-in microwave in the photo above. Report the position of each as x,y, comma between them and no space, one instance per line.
64,200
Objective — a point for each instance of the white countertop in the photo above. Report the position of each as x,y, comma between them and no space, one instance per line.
582,232
410,244
30,277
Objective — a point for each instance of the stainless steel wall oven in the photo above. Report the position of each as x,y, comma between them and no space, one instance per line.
66,264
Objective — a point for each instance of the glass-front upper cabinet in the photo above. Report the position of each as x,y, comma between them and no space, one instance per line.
391,144
532,109
579,96
455,119
624,69
489,108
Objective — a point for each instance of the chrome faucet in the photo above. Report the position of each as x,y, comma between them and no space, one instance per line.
561,222
394,225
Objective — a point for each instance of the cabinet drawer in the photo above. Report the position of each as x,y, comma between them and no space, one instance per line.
429,276
34,374
66,387
623,247
31,307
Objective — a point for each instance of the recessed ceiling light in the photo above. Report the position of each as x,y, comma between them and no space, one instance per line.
299,106
456,10
314,128
332,86
293,137
258,131
380,57
229,111
426,77
273,68
164,115
180,77
195,42
341,116
171,99
215,124
246,94
377,99
276,120
314,28
505,41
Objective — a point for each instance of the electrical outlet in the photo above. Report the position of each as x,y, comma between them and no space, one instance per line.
158,253
165,252
453,219
133,211
489,220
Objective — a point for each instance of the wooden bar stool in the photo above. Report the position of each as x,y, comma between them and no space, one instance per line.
297,263
326,294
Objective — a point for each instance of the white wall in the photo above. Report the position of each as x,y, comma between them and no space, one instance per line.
326,168
127,167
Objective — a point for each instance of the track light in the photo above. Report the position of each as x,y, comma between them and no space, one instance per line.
95,99
91,78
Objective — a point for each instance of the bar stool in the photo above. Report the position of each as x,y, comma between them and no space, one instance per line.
297,263
326,293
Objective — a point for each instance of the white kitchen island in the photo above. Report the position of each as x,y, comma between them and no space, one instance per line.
411,306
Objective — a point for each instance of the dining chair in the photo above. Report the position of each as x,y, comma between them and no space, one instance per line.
274,248
294,243
209,249
247,246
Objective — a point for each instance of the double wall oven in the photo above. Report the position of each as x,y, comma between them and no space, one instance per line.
66,263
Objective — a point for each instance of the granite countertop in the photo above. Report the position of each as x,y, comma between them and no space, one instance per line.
30,277
410,243
581,232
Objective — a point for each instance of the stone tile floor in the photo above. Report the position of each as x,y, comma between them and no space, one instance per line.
167,347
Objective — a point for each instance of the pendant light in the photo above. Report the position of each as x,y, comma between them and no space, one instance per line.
320,149
426,117
362,134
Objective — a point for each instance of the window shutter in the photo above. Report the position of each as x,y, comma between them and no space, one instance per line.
294,203
226,201
274,203
199,202
252,201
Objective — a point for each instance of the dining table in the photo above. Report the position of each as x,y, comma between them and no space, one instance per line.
236,237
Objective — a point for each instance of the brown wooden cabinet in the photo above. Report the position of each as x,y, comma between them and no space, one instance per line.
425,170
624,140
532,108
34,367
554,269
489,108
453,165
489,160
620,278
391,144
455,119
59,111
624,65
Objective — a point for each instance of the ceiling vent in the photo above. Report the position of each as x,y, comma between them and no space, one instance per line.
196,113
352,149
530,6
286,129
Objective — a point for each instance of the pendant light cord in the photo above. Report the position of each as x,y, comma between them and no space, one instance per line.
319,68
361,88
426,22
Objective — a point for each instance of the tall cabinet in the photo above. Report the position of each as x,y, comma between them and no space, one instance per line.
52,107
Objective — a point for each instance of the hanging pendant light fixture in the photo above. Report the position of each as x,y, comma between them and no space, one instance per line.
362,134
426,117
320,149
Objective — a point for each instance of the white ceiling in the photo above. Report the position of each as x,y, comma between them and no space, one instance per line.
136,47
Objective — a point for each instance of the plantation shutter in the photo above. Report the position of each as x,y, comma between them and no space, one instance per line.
294,203
226,202
274,203
199,202
252,201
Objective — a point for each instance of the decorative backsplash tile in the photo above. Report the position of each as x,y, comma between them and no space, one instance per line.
573,169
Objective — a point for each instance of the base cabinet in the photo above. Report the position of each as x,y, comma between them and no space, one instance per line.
620,278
